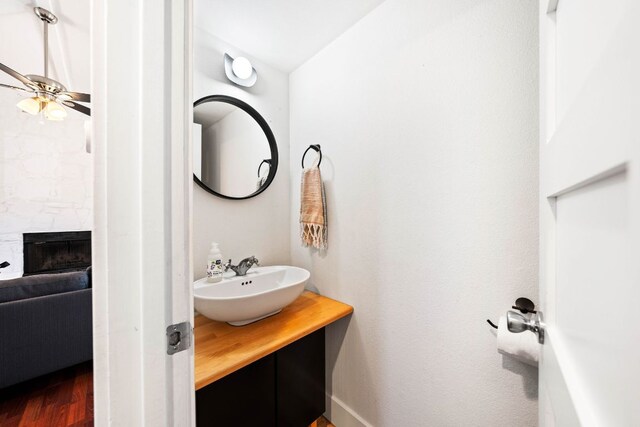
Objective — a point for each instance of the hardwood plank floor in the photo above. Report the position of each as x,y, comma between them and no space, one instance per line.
63,398
322,422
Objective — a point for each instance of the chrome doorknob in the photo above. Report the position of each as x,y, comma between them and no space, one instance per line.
517,323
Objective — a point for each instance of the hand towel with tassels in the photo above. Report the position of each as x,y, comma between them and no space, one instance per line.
313,209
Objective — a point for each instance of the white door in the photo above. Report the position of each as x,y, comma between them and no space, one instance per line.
141,123
590,212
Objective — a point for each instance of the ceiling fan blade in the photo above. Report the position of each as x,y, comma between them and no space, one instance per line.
17,75
78,107
76,96
16,88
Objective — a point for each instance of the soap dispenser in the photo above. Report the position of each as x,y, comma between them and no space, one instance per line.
215,268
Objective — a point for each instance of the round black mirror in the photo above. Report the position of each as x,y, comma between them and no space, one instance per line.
235,155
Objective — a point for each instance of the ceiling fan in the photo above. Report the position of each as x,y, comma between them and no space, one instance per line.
49,96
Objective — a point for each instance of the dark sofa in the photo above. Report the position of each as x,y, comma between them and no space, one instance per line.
45,324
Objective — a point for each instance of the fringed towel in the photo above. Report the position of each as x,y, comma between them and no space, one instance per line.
313,209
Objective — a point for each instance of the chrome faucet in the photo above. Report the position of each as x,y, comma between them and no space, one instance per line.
243,266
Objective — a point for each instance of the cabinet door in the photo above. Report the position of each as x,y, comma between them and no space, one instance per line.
244,398
300,381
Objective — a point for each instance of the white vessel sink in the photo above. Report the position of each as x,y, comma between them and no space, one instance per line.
240,300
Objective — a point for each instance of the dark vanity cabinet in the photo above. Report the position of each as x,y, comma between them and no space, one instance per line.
244,398
283,389
300,375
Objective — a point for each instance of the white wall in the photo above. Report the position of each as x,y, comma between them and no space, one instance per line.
258,226
45,178
427,115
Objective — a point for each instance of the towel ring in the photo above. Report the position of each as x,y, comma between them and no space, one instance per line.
267,161
312,147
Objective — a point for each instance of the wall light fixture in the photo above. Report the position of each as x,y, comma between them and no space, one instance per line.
240,71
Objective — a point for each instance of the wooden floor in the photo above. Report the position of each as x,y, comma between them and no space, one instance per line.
64,398
322,422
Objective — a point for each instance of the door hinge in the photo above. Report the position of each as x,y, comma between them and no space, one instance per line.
178,337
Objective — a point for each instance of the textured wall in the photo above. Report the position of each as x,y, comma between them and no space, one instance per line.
427,115
257,226
45,178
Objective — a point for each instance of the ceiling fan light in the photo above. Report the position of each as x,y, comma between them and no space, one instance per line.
30,105
54,111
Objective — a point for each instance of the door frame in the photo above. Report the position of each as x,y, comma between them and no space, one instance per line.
141,61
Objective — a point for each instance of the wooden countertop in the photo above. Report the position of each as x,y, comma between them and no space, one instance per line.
221,349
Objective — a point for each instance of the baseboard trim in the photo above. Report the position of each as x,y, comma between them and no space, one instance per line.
341,415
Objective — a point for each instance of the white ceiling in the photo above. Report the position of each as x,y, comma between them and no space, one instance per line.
21,33
281,33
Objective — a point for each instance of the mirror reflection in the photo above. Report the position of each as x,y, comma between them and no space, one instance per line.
234,152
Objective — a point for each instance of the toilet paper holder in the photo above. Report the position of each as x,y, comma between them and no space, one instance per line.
527,320
517,322
524,305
